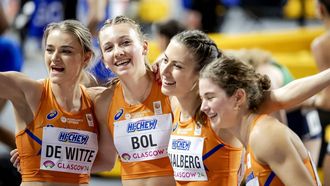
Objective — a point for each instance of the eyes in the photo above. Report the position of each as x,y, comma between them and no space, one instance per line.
207,98
109,47
175,64
66,51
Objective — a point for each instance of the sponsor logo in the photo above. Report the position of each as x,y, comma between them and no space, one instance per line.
52,114
126,156
89,119
63,119
128,116
249,177
71,120
157,104
49,164
141,125
157,108
119,114
73,137
181,144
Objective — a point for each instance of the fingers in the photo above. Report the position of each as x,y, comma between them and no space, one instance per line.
155,67
14,155
155,70
13,152
18,168
14,159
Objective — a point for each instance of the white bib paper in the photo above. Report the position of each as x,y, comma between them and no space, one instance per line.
186,155
68,150
253,182
141,139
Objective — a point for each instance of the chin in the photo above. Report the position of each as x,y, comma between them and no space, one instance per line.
55,80
213,122
166,91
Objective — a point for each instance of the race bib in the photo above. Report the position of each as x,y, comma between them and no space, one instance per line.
313,121
186,158
141,139
68,150
253,182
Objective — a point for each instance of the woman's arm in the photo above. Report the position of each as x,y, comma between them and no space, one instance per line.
295,92
106,155
275,145
23,92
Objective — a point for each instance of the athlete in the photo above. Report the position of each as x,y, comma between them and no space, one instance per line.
138,114
57,138
200,154
232,97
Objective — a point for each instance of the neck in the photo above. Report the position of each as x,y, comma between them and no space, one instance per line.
67,96
189,104
243,127
136,89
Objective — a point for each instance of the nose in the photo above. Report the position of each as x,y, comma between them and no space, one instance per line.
54,56
164,68
204,106
118,51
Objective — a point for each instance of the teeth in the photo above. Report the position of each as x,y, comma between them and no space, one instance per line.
122,62
211,115
169,83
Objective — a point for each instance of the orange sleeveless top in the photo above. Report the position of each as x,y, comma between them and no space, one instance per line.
264,173
49,114
121,112
221,161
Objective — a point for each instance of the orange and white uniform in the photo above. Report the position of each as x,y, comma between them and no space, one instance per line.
58,146
141,133
258,174
199,157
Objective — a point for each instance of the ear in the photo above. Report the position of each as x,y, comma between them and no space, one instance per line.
239,98
322,11
145,48
87,58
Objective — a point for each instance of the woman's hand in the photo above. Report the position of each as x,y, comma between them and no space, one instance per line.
15,160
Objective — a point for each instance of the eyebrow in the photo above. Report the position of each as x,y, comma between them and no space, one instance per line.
124,36
173,60
208,94
121,37
64,46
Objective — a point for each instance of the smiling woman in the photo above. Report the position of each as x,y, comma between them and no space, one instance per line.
44,109
137,114
232,96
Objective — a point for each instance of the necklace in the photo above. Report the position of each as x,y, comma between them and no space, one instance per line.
142,98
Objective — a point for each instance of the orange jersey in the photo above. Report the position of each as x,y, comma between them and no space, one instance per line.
263,173
50,115
134,130
221,162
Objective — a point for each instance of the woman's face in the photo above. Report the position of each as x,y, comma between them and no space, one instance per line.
177,70
123,51
216,104
64,57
